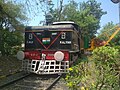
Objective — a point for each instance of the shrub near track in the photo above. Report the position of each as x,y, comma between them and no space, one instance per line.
80,76
96,72
106,60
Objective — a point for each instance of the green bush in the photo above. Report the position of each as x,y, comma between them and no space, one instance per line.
117,47
106,60
96,72
80,76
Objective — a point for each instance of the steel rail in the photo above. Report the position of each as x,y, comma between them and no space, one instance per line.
54,82
13,78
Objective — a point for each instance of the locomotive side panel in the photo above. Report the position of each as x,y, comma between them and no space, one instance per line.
75,41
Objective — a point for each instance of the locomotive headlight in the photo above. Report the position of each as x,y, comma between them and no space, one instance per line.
20,55
59,56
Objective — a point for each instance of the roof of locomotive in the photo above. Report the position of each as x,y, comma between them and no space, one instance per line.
55,25
51,27
63,22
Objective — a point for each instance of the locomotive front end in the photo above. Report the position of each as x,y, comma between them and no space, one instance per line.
50,49
47,49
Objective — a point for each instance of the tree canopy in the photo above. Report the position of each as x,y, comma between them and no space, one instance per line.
86,14
11,22
11,15
107,31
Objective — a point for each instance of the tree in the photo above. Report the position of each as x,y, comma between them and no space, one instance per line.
86,14
91,13
10,41
11,20
11,15
107,31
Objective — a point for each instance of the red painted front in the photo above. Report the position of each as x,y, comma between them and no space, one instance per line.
49,55
32,55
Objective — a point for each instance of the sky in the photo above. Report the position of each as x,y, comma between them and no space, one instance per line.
111,8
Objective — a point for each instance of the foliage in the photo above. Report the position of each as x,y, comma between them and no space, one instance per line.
12,17
117,47
69,11
97,72
104,32
90,13
81,76
86,14
107,31
106,60
11,42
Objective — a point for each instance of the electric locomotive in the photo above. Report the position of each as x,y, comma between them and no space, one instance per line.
50,49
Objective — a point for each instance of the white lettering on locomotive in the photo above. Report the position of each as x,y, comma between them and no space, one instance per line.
30,36
50,54
63,36
30,42
54,33
65,42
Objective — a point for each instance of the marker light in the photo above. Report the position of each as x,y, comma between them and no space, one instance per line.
59,56
20,55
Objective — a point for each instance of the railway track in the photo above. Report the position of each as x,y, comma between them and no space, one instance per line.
37,82
6,80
